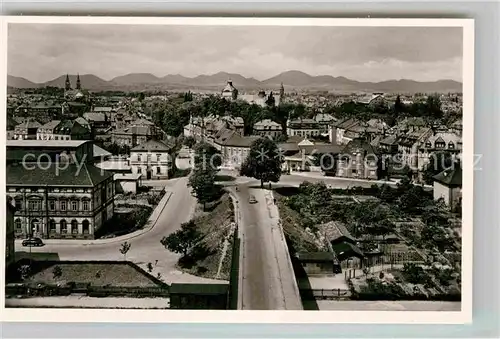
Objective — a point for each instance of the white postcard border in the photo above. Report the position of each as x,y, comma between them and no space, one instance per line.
214,316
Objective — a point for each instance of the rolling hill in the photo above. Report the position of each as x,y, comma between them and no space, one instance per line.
291,80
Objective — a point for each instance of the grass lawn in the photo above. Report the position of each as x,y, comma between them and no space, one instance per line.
116,275
215,227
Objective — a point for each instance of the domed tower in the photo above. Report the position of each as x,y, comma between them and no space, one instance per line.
78,83
67,85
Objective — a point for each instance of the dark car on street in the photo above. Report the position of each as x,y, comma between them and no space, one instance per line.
32,242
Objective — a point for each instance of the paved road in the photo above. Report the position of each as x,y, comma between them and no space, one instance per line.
266,279
146,247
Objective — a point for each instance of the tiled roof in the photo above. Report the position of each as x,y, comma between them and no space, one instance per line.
152,146
50,125
266,122
322,149
334,230
390,140
74,175
94,116
142,122
347,250
238,141
450,177
359,144
29,123
46,143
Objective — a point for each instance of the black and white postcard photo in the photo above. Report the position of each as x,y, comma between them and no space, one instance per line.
187,169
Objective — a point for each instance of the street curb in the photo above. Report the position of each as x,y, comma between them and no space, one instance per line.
240,259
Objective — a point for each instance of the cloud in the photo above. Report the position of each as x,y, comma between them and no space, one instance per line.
41,52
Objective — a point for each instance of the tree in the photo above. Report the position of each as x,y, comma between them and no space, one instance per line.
189,141
438,162
270,102
206,157
263,162
125,247
183,240
203,186
399,107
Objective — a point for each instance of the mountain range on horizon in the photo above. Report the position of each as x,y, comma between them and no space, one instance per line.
291,80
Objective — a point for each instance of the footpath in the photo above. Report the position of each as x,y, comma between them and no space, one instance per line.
89,302
150,224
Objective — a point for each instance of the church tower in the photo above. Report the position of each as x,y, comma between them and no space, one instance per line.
282,91
67,85
78,83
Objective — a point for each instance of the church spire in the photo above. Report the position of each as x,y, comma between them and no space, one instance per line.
67,85
282,90
78,83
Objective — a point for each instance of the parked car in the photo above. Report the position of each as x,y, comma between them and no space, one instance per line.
36,242
252,200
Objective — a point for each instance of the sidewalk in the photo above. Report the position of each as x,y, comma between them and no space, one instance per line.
288,281
150,224
89,302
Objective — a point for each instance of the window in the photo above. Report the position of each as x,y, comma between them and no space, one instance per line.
139,170
52,205
158,170
372,173
64,226
34,205
354,171
19,204
139,157
52,226
74,227
451,145
74,205
86,227
158,157
63,205
86,205
440,144
18,224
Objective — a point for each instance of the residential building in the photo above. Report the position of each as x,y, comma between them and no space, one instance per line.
408,145
304,156
136,135
63,130
448,186
234,149
267,128
344,131
374,100
152,159
98,121
438,142
318,263
58,192
306,128
10,249
26,130
359,159
261,99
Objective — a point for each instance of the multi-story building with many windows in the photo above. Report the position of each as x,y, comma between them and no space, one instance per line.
57,191
152,159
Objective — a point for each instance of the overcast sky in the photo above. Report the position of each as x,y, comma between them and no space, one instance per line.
42,52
